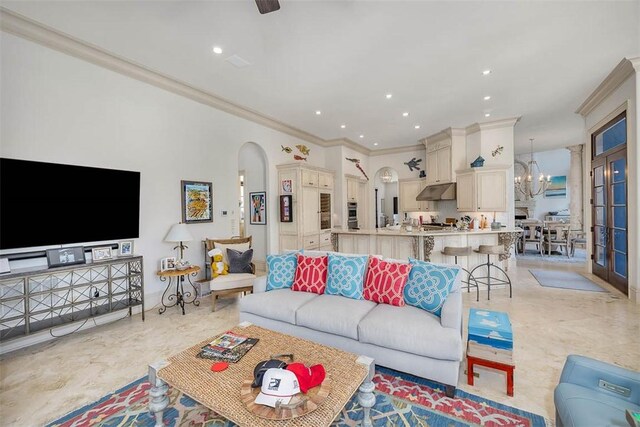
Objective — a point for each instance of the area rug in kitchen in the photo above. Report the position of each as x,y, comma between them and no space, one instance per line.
401,400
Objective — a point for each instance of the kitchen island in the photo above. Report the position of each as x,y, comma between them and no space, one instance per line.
425,245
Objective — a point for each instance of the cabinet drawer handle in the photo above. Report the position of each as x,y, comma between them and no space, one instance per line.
311,241
311,183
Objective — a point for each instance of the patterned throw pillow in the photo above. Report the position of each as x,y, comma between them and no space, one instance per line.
385,281
311,274
346,275
282,270
429,285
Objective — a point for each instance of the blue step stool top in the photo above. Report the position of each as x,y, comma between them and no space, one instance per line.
492,328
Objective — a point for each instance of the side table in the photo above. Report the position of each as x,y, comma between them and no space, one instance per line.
179,297
471,360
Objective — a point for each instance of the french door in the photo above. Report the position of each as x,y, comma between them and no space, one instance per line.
609,204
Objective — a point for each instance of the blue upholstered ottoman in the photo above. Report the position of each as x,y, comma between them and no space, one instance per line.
594,393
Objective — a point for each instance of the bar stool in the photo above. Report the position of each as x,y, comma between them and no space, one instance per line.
489,250
455,252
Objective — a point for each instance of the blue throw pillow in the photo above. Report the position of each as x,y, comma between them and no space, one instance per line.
282,270
345,275
429,285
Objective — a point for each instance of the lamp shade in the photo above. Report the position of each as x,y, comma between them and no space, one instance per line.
178,233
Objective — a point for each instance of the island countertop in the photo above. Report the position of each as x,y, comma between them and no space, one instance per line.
444,232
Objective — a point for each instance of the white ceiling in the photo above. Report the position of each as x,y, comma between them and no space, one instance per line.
342,57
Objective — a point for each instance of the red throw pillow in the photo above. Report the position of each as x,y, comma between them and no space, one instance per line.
311,274
385,281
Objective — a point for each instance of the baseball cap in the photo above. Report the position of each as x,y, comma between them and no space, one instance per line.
278,385
262,367
307,377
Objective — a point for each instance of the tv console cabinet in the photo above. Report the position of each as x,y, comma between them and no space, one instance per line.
37,299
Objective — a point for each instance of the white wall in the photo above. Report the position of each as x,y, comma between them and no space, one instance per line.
554,163
626,94
251,160
56,108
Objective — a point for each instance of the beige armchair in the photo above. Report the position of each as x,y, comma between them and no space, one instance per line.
231,283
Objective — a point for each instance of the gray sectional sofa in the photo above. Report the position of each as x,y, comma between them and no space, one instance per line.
406,339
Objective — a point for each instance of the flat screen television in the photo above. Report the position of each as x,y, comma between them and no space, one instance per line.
50,204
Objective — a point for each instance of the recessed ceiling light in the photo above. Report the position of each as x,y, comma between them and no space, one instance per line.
487,114
361,136
217,50
375,143
343,126
486,72
405,114
389,95
318,112
486,98
417,126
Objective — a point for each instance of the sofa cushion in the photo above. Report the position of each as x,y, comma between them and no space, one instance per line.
311,274
334,314
281,270
412,330
385,281
580,406
279,304
346,275
429,285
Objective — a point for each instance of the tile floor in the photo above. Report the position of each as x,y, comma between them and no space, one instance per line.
43,382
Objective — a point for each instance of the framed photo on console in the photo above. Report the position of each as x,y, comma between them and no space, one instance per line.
126,248
65,256
168,264
99,254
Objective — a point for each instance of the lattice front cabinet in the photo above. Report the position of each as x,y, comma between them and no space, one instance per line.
33,300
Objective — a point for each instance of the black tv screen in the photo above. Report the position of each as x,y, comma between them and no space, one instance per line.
50,204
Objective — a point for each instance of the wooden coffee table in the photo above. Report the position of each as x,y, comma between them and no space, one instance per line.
347,374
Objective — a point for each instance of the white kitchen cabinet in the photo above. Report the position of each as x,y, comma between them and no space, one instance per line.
409,190
325,180
311,189
309,178
482,189
352,190
446,152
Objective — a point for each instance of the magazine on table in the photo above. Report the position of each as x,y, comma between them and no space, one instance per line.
232,355
226,341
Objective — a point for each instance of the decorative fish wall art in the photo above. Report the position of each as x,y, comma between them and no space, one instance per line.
357,163
303,149
296,157
287,150
413,164
497,151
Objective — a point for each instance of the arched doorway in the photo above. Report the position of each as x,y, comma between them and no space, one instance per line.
252,178
385,184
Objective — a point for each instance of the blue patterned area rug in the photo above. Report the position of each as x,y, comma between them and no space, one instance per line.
401,400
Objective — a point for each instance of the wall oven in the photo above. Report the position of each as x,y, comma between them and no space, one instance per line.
352,215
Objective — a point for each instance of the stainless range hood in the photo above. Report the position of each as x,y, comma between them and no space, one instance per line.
438,192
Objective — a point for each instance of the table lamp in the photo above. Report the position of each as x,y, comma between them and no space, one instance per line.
178,234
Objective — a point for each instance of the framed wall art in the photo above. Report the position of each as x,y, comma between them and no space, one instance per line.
65,256
557,188
258,208
286,208
197,201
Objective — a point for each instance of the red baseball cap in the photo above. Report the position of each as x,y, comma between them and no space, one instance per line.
308,378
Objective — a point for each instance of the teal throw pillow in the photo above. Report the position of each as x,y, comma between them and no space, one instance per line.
429,285
281,270
346,275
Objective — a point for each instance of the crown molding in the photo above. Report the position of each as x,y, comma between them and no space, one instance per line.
395,150
346,142
494,124
26,28
443,135
616,77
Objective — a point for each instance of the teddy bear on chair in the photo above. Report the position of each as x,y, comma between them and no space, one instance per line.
218,267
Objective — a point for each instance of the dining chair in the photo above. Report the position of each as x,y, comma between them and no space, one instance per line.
557,234
578,238
532,235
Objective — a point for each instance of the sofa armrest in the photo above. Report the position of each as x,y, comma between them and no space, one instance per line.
588,373
451,314
260,284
